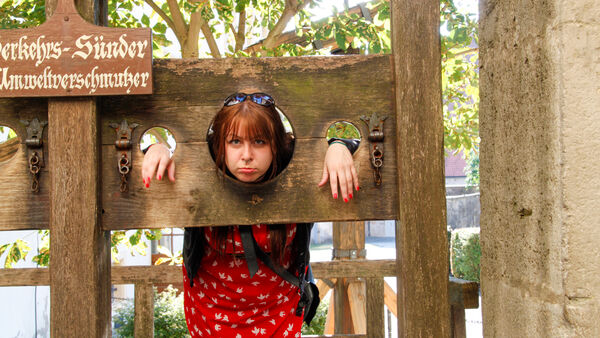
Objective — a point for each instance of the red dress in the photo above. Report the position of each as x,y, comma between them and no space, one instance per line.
226,302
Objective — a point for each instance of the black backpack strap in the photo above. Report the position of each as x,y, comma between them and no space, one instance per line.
193,251
250,247
309,299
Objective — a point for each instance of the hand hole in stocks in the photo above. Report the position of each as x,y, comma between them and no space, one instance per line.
158,135
289,139
9,143
344,130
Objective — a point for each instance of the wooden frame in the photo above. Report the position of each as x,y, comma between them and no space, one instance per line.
80,280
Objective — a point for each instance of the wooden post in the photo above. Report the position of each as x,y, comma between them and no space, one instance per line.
347,237
375,307
80,260
144,310
421,248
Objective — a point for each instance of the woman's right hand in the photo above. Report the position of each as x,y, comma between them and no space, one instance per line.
156,160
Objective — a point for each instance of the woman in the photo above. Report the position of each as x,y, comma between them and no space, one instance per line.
242,281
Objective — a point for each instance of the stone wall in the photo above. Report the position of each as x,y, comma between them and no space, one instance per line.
540,154
462,211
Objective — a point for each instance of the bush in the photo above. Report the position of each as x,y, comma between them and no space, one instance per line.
317,325
169,317
466,257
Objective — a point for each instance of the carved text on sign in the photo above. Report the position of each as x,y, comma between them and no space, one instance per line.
67,56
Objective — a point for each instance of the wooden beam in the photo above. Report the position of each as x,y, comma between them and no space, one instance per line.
144,310
375,307
390,299
463,293
24,277
80,261
21,209
187,95
421,228
165,274
358,306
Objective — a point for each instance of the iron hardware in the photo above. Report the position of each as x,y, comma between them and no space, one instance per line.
123,145
35,150
376,138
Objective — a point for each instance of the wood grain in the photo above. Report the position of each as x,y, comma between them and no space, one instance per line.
421,231
20,209
80,260
24,277
201,197
375,307
358,306
312,91
185,100
463,293
390,299
144,310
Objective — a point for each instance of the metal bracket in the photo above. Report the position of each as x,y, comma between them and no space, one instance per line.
123,145
352,254
376,137
35,150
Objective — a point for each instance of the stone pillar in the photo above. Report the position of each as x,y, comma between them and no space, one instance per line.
540,166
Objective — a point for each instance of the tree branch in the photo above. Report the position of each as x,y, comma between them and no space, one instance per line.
240,36
178,21
291,8
161,13
467,51
291,37
210,39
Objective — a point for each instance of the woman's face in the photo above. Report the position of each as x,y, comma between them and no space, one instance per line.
248,159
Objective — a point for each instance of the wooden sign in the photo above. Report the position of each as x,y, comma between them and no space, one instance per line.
67,56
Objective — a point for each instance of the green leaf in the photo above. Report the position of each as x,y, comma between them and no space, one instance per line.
146,20
340,38
3,248
160,28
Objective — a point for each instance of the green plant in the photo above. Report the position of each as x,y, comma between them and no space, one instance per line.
169,317
317,326
466,257
472,169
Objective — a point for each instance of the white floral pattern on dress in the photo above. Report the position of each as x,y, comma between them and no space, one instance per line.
240,306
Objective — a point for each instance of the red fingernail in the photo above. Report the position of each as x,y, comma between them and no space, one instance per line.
147,185
334,196
357,188
351,196
346,200
159,177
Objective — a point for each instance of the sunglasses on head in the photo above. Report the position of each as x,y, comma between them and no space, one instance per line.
258,98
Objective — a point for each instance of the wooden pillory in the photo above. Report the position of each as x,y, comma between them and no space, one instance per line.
80,197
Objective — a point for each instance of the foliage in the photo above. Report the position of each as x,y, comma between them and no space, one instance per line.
472,169
317,325
15,252
22,13
343,130
460,78
466,257
19,249
169,317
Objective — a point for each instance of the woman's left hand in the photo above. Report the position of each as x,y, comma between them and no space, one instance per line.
339,170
